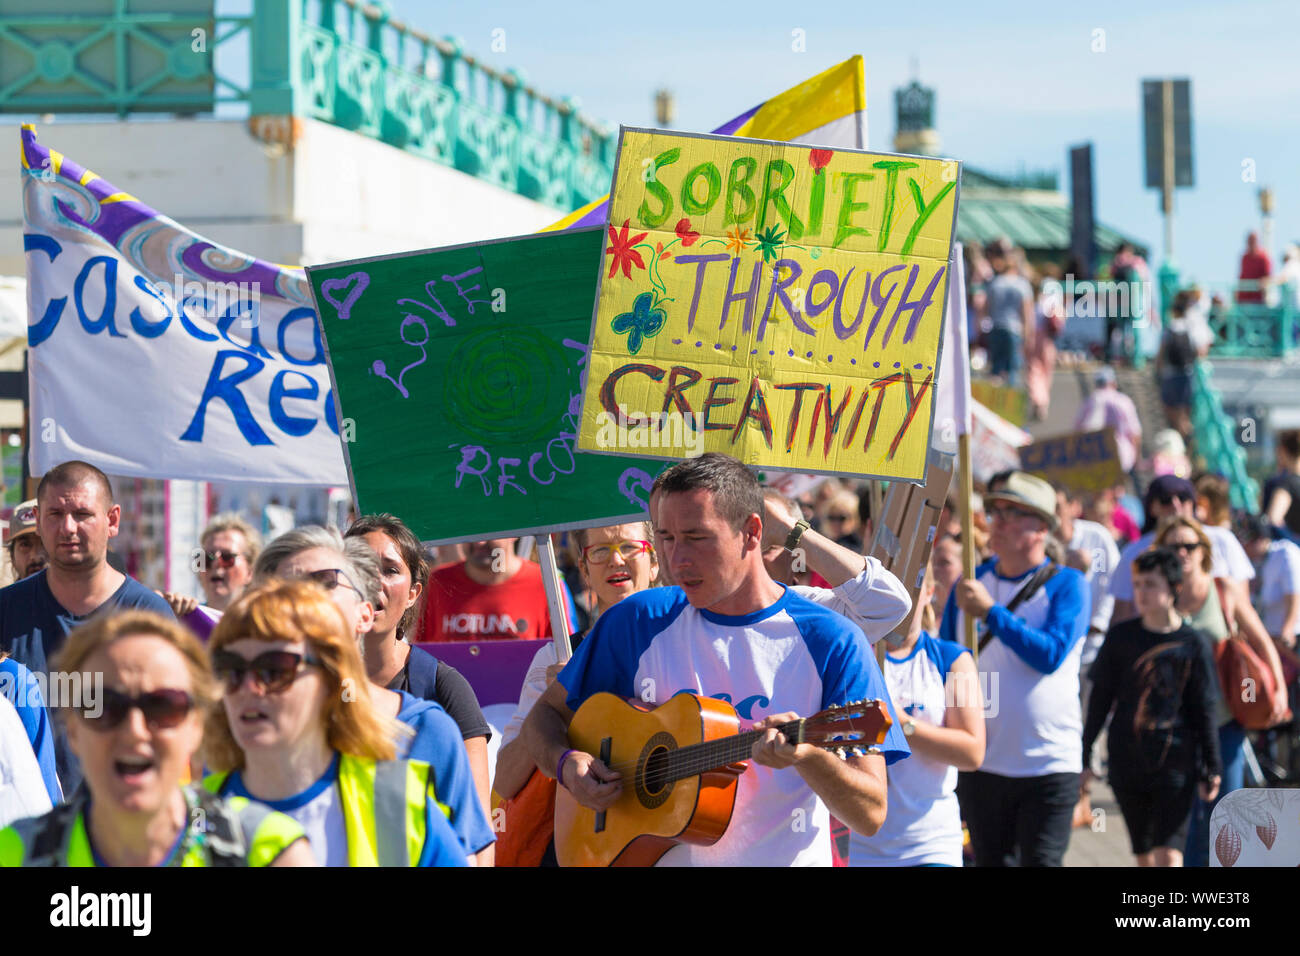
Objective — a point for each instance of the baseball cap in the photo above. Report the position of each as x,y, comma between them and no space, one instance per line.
1028,491
1165,488
23,520
1104,376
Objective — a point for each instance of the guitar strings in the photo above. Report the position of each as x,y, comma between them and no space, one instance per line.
700,759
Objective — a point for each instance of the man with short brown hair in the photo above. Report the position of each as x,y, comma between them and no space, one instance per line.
75,517
728,631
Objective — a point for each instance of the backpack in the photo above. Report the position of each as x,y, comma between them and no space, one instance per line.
1178,350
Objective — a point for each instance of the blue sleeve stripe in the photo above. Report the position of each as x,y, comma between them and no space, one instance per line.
607,659
943,653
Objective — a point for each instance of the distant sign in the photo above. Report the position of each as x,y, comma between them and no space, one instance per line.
1153,124
786,302
459,374
1009,403
1083,463
1083,243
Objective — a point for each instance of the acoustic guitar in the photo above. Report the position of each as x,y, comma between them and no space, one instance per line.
680,763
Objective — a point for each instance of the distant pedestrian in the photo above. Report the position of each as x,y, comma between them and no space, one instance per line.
1256,267
1280,499
1040,353
1107,407
1010,305
1184,343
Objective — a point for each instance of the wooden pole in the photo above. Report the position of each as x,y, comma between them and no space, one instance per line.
554,599
967,533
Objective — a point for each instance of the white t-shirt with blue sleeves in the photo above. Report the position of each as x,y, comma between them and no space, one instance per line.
923,825
1029,672
791,656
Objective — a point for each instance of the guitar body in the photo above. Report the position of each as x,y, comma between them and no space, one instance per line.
649,818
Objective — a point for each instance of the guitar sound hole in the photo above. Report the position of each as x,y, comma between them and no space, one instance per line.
652,783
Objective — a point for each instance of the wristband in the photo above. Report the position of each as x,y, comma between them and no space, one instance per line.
796,533
559,767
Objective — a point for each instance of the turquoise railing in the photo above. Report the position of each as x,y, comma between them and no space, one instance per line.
339,61
127,61
1216,440
1254,330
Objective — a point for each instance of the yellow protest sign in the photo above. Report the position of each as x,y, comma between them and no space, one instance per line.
780,303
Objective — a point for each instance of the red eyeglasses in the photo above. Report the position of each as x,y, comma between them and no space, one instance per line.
221,558
602,553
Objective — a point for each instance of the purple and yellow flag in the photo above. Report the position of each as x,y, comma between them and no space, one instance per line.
830,109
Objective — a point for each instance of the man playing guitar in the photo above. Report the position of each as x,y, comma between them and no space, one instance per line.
727,630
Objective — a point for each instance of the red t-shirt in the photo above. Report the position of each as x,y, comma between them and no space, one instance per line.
1254,265
458,608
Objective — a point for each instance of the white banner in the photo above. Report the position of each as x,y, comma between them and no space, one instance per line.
156,353
995,443
952,401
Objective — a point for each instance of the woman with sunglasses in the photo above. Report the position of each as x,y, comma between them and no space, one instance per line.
297,731
350,574
391,660
1202,605
135,741
228,548
615,561
1168,496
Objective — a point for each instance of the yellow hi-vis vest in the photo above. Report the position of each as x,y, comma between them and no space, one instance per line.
231,831
384,805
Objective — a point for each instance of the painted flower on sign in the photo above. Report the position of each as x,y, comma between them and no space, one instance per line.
819,158
769,241
736,239
643,322
621,249
684,232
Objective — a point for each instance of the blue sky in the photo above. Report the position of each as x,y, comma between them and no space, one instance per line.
1017,84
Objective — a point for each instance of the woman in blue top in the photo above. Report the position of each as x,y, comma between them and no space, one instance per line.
936,694
298,732
349,572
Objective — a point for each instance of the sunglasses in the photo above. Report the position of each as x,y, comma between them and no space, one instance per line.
602,553
839,519
273,672
331,578
1183,546
161,708
221,558
1009,514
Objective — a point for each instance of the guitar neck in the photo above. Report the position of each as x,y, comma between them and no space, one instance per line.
714,754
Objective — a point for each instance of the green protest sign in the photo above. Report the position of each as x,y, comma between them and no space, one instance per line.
459,375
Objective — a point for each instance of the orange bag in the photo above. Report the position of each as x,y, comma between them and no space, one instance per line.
530,823
1238,664
1240,668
